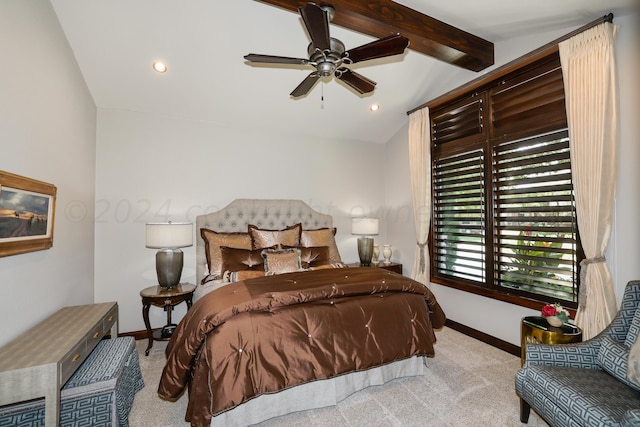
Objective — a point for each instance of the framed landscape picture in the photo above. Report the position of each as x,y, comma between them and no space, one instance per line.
27,209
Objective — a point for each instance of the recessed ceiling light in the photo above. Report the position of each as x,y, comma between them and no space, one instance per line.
159,66
374,107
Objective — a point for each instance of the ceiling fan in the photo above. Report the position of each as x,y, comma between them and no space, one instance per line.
328,55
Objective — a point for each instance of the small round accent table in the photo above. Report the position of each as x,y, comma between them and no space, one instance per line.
536,330
166,298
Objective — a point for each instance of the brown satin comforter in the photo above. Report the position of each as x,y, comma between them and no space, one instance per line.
270,333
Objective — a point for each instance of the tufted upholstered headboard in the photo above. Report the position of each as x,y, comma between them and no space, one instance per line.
273,214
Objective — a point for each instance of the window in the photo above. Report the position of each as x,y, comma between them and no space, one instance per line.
535,225
459,237
504,220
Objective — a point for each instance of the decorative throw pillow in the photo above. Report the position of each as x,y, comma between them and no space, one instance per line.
322,237
278,261
613,357
236,276
234,259
326,266
313,256
262,238
214,240
633,364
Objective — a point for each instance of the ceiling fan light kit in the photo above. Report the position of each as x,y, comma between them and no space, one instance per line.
329,56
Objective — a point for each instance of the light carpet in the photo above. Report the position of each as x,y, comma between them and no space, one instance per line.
467,383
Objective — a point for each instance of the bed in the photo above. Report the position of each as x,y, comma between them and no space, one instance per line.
280,324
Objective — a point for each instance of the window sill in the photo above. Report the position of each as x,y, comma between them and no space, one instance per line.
500,296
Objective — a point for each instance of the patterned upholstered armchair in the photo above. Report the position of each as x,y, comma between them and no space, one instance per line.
585,384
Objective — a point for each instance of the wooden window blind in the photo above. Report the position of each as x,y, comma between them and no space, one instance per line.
504,215
460,121
529,103
459,236
535,218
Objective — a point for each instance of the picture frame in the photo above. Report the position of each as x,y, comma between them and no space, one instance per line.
27,213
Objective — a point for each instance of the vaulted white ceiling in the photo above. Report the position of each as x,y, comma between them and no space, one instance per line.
203,43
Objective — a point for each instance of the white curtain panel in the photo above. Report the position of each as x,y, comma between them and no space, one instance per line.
420,168
591,94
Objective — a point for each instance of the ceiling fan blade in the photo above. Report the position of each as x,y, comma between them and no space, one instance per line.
387,46
357,81
270,59
306,85
317,23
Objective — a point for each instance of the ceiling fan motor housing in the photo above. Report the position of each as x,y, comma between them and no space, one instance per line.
328,61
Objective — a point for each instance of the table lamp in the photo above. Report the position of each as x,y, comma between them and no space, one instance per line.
169,237
365,227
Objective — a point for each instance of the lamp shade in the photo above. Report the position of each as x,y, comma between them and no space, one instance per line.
364,226
169,235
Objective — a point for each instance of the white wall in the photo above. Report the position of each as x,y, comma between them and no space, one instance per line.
497,318
152,168
47,132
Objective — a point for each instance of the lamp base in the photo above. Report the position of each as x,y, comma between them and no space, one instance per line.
365,250
169,264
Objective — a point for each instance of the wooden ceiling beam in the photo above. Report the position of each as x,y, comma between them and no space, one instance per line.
380,18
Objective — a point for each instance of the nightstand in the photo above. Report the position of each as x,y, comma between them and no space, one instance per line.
392,266
166,298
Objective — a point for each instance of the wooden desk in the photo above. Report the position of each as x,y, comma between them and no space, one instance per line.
40,361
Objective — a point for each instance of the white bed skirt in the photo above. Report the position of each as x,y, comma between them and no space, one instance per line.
316,394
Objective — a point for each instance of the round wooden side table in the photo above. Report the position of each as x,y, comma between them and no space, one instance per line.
166,298
536,330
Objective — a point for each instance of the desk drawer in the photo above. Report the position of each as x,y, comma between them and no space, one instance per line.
109,320
94,337
73,360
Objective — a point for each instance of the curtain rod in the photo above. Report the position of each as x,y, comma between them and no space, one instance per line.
553,44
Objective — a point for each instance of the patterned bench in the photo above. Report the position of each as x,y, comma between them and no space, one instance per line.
100,392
